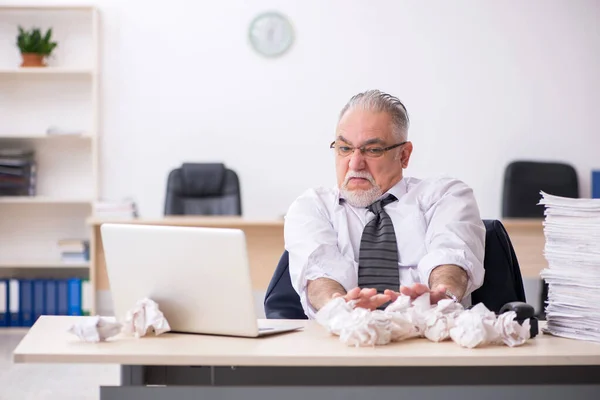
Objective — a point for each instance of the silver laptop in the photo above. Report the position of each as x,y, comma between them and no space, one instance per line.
200,277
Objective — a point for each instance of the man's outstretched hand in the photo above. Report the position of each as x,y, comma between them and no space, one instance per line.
416,290
367,298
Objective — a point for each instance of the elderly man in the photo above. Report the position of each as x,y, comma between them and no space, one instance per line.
378,233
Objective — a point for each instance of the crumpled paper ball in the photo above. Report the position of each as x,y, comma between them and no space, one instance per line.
143,317
475,327
95,329
404,319
511,333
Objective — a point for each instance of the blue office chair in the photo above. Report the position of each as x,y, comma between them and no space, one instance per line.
502,283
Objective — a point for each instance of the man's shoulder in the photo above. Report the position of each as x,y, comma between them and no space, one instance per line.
317,198
435,186
324,194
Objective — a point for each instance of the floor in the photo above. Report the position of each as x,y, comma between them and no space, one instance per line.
58,381
49,381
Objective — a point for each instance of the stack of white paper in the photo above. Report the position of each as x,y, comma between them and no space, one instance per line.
572,231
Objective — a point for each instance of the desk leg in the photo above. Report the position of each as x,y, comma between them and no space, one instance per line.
132,375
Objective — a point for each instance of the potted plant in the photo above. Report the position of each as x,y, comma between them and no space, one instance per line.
34,47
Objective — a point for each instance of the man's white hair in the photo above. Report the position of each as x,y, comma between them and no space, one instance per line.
378,101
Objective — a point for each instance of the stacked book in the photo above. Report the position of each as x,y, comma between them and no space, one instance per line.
572,249
125,209
74,251
17,172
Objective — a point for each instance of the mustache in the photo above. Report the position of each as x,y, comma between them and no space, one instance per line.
359,174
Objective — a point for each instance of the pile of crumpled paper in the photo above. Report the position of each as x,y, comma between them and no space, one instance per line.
143,318
404,319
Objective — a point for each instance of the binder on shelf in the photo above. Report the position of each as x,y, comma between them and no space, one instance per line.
39,298
62,297
4,307
86,297
596,184
75,296
14,303
51,302
26,302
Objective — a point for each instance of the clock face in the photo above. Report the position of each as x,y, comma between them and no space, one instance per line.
271,34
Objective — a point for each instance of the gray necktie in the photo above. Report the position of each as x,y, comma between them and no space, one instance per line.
378,255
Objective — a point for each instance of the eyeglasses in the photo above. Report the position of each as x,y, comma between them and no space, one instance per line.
367,151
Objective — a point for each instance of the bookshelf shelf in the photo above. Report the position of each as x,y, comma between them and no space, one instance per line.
41,264
45,71
84,136
47,7
41,200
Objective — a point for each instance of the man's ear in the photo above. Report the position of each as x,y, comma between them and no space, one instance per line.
405,154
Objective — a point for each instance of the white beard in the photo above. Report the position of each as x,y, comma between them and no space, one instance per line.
357,197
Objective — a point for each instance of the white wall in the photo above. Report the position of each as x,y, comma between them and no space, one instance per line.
485,82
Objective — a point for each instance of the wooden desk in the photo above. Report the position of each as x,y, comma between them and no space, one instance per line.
527,237
264,240
312,358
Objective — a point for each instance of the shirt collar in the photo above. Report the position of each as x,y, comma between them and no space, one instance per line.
398,190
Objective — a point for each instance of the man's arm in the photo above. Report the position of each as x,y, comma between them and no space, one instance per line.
322,290
451,277
314,255
455,240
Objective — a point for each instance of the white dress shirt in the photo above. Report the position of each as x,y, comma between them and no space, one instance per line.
436,221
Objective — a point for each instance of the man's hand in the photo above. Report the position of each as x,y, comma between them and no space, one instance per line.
367,298
416,290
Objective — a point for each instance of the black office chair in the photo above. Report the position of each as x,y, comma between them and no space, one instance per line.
203,189
523,181
502,283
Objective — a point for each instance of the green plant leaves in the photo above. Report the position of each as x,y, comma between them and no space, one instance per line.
32,41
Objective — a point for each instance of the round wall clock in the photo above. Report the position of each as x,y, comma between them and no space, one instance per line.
271,34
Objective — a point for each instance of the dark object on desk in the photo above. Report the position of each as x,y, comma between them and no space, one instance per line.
203,189
523,311
523,181
502,284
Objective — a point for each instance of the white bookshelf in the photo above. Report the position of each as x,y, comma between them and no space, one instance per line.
63,95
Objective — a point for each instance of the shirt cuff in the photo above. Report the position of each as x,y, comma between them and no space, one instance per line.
446,256
309,310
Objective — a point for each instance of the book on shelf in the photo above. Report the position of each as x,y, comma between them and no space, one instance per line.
23,301
74,251
125,209
59,131
17,172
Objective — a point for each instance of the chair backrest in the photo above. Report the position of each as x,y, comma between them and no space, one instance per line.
523,181
203,189
502,283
